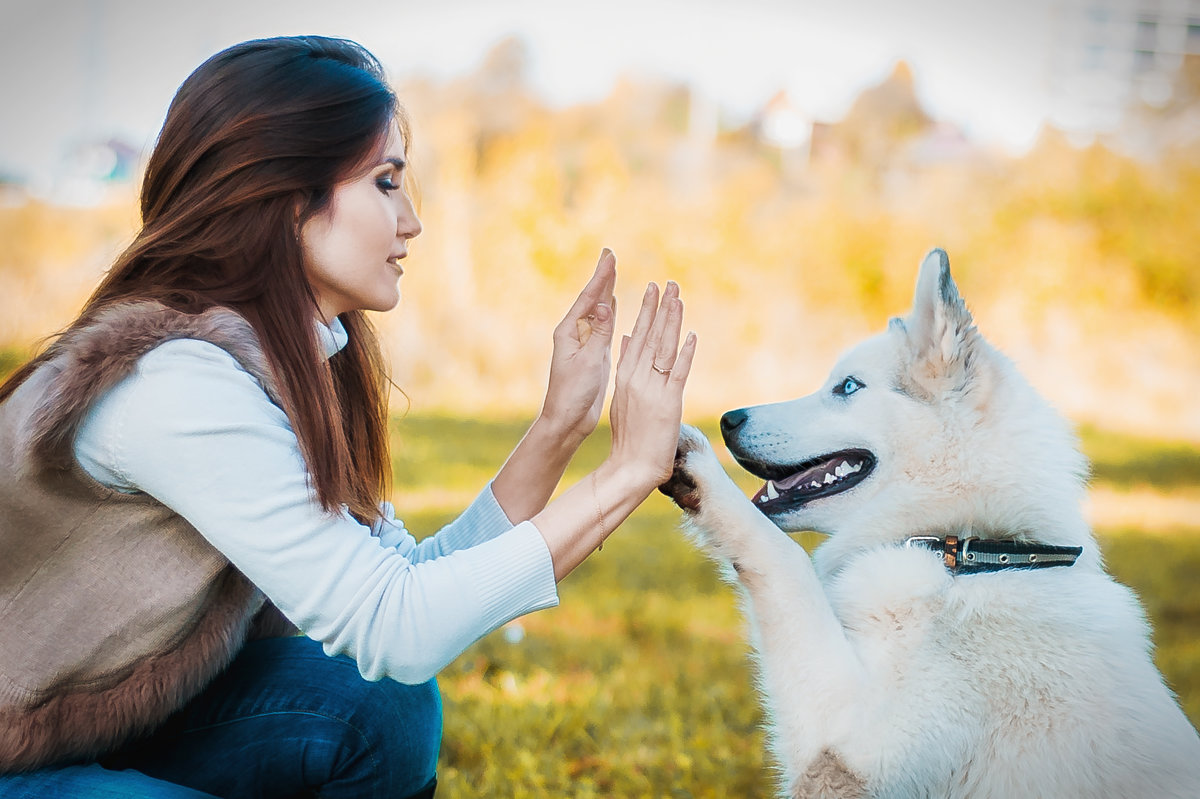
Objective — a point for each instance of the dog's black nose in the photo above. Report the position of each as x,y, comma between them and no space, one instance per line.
733,420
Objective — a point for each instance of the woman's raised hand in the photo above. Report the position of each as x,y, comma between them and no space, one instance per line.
647,405
647,408
582,359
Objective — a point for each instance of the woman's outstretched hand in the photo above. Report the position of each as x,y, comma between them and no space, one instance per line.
647,408
579,370
647,405
582,359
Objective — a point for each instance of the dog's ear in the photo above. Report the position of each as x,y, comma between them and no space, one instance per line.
943,343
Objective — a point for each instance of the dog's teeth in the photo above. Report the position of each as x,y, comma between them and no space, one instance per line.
855,468
772,493
814,484
829,478
842,469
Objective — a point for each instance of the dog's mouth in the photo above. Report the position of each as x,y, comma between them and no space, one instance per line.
789,487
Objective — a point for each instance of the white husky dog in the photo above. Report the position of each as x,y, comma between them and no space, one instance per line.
956,635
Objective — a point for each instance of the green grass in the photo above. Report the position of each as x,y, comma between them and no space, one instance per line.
1163,569
10,359
640,684
613,693
1128,461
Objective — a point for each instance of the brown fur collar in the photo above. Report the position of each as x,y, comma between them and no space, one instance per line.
97,356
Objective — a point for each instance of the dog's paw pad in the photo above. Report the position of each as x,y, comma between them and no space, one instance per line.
681,487
682,490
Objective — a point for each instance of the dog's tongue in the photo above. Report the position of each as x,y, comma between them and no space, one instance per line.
803,478
771,488
815,478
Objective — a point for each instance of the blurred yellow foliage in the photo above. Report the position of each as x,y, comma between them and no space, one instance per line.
50,260
1080,263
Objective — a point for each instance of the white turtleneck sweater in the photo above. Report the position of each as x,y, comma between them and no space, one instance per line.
197,432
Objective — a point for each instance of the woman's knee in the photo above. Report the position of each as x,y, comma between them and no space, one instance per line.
300,716
402,720
400,731
415,709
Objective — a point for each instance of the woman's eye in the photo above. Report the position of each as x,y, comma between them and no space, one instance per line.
386,185
848,386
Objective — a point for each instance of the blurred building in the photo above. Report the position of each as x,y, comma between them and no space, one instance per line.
783,125
1113,56
880,128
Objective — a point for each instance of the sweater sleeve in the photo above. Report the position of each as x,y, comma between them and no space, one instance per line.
194,430
482,521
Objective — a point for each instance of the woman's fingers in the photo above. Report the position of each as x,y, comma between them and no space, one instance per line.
601,323
598,289
658,352
631,354
653,343
587,316
668,341
683,362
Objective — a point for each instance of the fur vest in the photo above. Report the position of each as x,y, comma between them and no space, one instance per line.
114,611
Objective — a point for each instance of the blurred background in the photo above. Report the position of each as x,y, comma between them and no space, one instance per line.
788,163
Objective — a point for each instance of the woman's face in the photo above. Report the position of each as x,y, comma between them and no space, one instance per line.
353,247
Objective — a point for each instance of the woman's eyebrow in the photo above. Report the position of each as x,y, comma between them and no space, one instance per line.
399,163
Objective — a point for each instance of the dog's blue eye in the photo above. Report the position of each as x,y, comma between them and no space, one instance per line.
848,386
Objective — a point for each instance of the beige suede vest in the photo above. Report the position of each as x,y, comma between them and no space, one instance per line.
114,611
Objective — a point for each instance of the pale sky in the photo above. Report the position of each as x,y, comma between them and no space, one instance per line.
72,69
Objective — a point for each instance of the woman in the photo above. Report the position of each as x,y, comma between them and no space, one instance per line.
197,464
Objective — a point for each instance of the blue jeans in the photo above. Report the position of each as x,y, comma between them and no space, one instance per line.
284,720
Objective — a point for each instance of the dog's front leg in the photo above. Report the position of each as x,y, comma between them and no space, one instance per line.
810,673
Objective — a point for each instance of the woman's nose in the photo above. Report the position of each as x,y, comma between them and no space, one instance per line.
408,224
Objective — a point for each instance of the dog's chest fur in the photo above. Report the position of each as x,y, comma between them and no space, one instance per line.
974,669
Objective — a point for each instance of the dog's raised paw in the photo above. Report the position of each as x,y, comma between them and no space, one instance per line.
681,487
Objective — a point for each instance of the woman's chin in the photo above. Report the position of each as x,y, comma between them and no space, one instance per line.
394,299
383,299
386,303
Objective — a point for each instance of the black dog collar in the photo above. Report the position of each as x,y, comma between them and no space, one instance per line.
976,555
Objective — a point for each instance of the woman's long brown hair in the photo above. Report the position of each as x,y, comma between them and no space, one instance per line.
252,146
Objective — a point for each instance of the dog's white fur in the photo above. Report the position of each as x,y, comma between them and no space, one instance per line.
882,674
